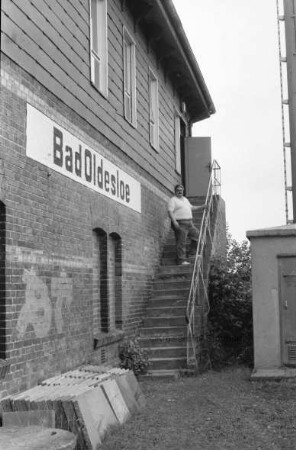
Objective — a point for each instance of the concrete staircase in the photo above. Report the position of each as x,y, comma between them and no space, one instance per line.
164,331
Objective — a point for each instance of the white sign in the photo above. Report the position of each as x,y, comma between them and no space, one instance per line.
53,146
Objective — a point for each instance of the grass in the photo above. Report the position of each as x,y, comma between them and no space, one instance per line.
216,410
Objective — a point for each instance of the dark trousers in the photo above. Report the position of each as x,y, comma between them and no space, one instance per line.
187,230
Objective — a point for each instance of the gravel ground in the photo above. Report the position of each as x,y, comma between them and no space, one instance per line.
214,411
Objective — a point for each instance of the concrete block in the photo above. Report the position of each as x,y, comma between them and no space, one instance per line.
42,418
36,438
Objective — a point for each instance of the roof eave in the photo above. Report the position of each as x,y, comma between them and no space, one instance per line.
165,34
182,43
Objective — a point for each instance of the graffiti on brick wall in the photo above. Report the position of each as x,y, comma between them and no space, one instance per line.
37,309
43,305
61,290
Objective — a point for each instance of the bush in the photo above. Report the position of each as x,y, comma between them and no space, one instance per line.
230,324
132,356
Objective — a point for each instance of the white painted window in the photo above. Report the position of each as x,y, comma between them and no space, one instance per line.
178,143
129,69
154,111
98,45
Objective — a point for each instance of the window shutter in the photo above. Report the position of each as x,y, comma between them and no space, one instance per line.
95,71
99,45
129,74
152,133
154,117
127,106
177,144
92,69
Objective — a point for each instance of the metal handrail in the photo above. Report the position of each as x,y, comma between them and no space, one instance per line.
199,280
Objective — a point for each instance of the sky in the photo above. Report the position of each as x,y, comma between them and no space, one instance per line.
235,43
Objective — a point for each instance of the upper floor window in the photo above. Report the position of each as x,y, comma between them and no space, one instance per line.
98,45
154,111
129,70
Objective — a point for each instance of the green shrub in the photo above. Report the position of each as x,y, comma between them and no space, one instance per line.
230,324
132,356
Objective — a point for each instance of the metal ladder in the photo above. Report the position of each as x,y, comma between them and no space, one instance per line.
285,120
199,281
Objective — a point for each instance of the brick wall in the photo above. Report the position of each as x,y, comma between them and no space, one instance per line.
76,267
54,228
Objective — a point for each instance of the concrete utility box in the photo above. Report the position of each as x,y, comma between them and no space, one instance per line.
273,253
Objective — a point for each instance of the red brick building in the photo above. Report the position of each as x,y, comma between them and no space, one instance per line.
97,99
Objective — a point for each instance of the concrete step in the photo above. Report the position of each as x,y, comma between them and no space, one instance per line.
170,247
168,261
170,241
150,342
167,363
172,261
164,299
165,375
164,321
166,311
169,251
171,276
167,352
164,289
179,331
171,284
175,270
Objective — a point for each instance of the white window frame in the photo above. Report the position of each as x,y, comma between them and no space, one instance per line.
129,78
99,45
153,110
178,142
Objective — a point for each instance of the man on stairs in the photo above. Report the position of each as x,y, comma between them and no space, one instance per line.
180,212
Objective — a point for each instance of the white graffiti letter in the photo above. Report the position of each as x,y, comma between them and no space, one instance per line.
62,291
37,309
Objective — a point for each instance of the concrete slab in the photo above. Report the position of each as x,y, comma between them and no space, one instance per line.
26,418
127,393
95,414
136,389
112,392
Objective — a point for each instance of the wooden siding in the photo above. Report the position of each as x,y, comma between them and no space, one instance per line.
50,40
